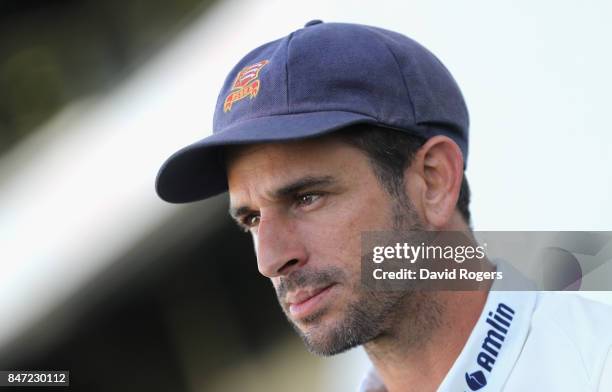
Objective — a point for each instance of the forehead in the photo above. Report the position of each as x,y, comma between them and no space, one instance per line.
268,164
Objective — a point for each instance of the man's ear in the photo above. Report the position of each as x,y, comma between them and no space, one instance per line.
433,181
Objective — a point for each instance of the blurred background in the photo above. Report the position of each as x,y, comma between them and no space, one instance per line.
99,277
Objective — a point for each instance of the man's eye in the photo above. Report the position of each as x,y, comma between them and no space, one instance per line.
250,221
307,198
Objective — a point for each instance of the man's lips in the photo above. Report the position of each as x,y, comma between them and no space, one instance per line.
304,302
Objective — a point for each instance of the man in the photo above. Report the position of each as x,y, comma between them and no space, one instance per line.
341,129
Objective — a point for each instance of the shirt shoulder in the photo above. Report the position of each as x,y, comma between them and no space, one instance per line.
581,326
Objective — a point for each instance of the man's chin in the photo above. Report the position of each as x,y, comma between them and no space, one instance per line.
325,337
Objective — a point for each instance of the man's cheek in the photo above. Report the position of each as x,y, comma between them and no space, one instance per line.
329,239
275,283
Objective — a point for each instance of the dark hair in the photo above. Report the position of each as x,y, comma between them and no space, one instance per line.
391,152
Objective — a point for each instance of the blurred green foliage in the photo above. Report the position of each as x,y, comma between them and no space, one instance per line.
55,51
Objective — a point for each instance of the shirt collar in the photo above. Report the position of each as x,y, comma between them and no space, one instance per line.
493,347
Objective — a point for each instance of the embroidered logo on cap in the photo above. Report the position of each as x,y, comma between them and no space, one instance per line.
245,85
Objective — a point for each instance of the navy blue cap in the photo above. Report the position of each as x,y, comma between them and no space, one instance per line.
319,79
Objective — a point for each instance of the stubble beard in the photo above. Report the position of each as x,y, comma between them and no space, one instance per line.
374,313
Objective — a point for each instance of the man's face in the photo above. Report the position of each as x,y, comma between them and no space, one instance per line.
305,204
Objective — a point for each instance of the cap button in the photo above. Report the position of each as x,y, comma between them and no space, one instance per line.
313,22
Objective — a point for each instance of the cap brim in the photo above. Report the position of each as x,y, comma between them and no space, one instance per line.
197,171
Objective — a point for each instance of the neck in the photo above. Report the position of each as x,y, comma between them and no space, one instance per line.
417,353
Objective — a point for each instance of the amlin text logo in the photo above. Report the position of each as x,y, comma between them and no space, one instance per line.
492,344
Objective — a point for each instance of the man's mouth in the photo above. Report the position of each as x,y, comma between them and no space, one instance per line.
305,302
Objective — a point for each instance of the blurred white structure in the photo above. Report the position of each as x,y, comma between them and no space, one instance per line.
536,76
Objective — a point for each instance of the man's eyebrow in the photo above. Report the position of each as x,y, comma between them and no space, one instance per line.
238,212
287,190
301,184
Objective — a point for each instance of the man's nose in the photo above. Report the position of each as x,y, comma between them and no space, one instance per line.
278,246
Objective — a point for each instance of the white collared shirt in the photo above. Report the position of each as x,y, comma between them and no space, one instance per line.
531,341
